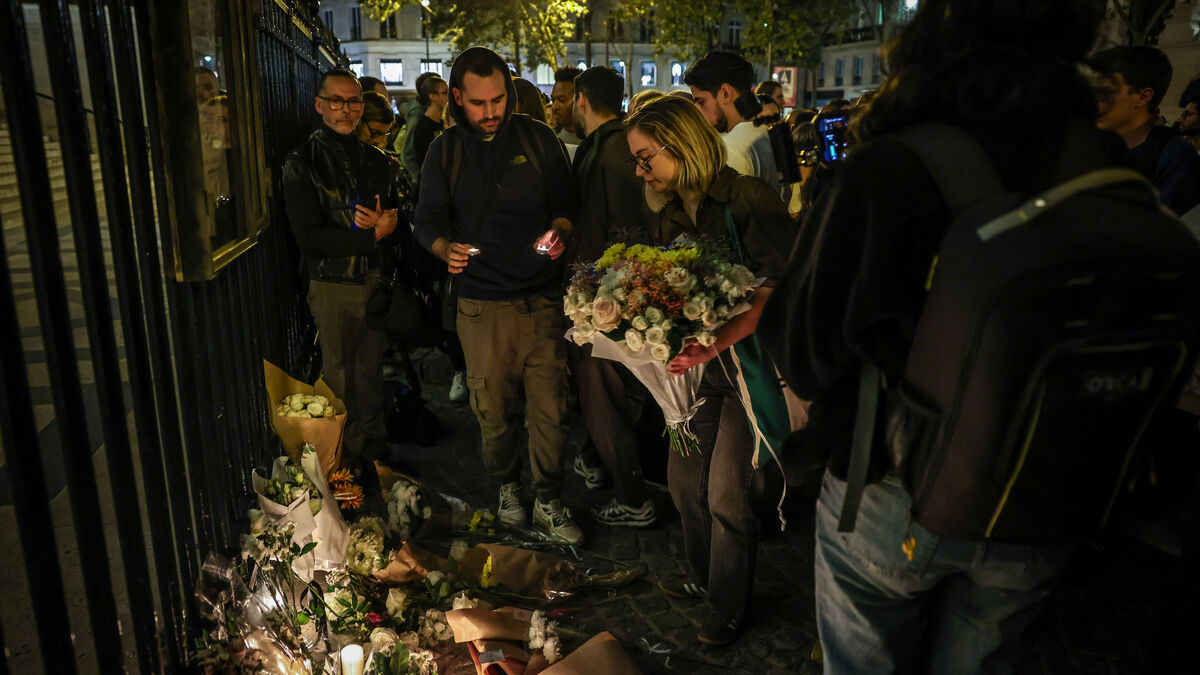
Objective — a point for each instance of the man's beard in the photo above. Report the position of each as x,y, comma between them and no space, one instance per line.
722,124
479,126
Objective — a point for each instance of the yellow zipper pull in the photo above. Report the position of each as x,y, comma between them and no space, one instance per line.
909,547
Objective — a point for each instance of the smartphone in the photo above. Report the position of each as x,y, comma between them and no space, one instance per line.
832,128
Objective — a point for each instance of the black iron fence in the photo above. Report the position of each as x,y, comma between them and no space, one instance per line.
131,404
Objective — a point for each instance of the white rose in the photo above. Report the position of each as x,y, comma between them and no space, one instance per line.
653,315
705,302
315,409
680,280
660,352
435,577
383,639
321,399
666,324
327,411
742,276
709,318
304,413
584,331
296,403
728,286
396,598
655,335
461,601
640,323
692,309
458,549
606,314
706,339
634,341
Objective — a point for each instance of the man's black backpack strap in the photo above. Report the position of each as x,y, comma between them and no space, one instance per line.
452,154
529,145
960,167
869,382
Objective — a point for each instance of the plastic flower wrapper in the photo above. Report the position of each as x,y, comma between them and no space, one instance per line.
327,527
639,305
365,547
533,573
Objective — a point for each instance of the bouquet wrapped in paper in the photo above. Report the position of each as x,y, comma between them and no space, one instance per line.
303,413
639,305
297,493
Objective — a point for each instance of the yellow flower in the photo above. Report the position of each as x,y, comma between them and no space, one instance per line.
486,580
610,256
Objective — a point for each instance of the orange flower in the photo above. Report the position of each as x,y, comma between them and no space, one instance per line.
341,475
348,495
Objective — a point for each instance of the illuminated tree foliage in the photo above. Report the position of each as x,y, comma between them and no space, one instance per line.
792,30
529,32
687,28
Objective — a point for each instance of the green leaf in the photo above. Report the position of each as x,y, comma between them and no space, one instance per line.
308,547
302,618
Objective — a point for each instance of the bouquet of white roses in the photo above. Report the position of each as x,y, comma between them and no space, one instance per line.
305,405
640,305
304,485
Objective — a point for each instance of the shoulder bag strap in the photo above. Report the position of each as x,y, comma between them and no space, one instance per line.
958,164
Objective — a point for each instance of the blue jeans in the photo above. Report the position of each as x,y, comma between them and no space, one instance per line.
956,607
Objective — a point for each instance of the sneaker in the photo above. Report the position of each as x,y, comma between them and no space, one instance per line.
458,387
594,477
555,520
615,514
678,586
719,631
510,512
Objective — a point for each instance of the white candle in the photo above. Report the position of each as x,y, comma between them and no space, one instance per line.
352,660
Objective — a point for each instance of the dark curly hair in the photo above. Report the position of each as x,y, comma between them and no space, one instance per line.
979,62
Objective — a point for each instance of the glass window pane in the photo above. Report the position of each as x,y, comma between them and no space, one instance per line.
649,73
391,71
676,73
356,67
431,66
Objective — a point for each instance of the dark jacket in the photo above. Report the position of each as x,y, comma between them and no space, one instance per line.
611,205
1173,165
758,213
526,201
324,179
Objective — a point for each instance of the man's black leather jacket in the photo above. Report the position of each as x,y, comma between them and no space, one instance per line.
324,179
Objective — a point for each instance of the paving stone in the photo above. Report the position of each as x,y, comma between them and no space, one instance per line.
650,604
670,621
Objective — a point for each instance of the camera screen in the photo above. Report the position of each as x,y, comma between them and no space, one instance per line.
832,133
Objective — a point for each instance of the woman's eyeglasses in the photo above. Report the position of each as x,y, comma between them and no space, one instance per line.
644,162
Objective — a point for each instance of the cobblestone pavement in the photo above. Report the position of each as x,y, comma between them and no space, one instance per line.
1112,613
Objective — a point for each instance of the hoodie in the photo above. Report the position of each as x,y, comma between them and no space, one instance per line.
526,201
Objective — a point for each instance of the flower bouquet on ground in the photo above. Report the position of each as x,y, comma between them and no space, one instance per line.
639,305
305,414
296,493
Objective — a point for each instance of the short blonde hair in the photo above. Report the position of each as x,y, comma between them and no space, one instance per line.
642,98
676,123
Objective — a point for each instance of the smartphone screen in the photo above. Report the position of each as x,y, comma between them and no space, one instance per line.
832,133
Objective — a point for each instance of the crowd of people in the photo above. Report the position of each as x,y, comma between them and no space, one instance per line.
510,192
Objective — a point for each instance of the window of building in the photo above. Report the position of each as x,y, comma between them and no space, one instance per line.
432,66
646,28
858,63
677,69
618,65
544,75
735,33
616,31
327,16
356,67
821,74
649,74
876,69
391,71
387,28
355,24
579,28
839,70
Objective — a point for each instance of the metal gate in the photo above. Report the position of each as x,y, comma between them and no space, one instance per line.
131,403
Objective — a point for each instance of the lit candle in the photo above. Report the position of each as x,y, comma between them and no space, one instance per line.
352,660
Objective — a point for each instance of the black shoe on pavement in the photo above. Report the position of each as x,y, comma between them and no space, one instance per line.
678,586
719,631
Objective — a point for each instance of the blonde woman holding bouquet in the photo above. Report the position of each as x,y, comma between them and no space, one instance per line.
718,493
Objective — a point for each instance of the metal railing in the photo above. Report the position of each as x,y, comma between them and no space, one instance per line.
178,457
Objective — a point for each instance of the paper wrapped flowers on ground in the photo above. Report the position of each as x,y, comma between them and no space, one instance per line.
640,305
297,493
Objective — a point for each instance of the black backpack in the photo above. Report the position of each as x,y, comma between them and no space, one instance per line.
1053,329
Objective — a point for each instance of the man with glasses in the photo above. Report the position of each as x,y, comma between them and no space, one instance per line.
341,202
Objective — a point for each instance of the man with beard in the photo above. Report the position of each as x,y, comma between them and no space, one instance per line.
722,85
1188,123
340,203
562,105
491,187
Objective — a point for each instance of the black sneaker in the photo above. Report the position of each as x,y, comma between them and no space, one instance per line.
615,513
719,631
678,586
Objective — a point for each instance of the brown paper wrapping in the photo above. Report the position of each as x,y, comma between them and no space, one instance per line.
486,624
527,572
602,655
323,433
411,563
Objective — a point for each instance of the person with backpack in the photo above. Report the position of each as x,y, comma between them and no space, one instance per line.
496,195
718,488
985,306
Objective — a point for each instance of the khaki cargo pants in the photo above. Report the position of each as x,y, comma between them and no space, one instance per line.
510,343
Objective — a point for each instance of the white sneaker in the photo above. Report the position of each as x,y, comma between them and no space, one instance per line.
555,519
458,387
594,477
510,512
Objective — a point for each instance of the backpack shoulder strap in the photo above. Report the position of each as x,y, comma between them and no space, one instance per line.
452,153
529,145
959,165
